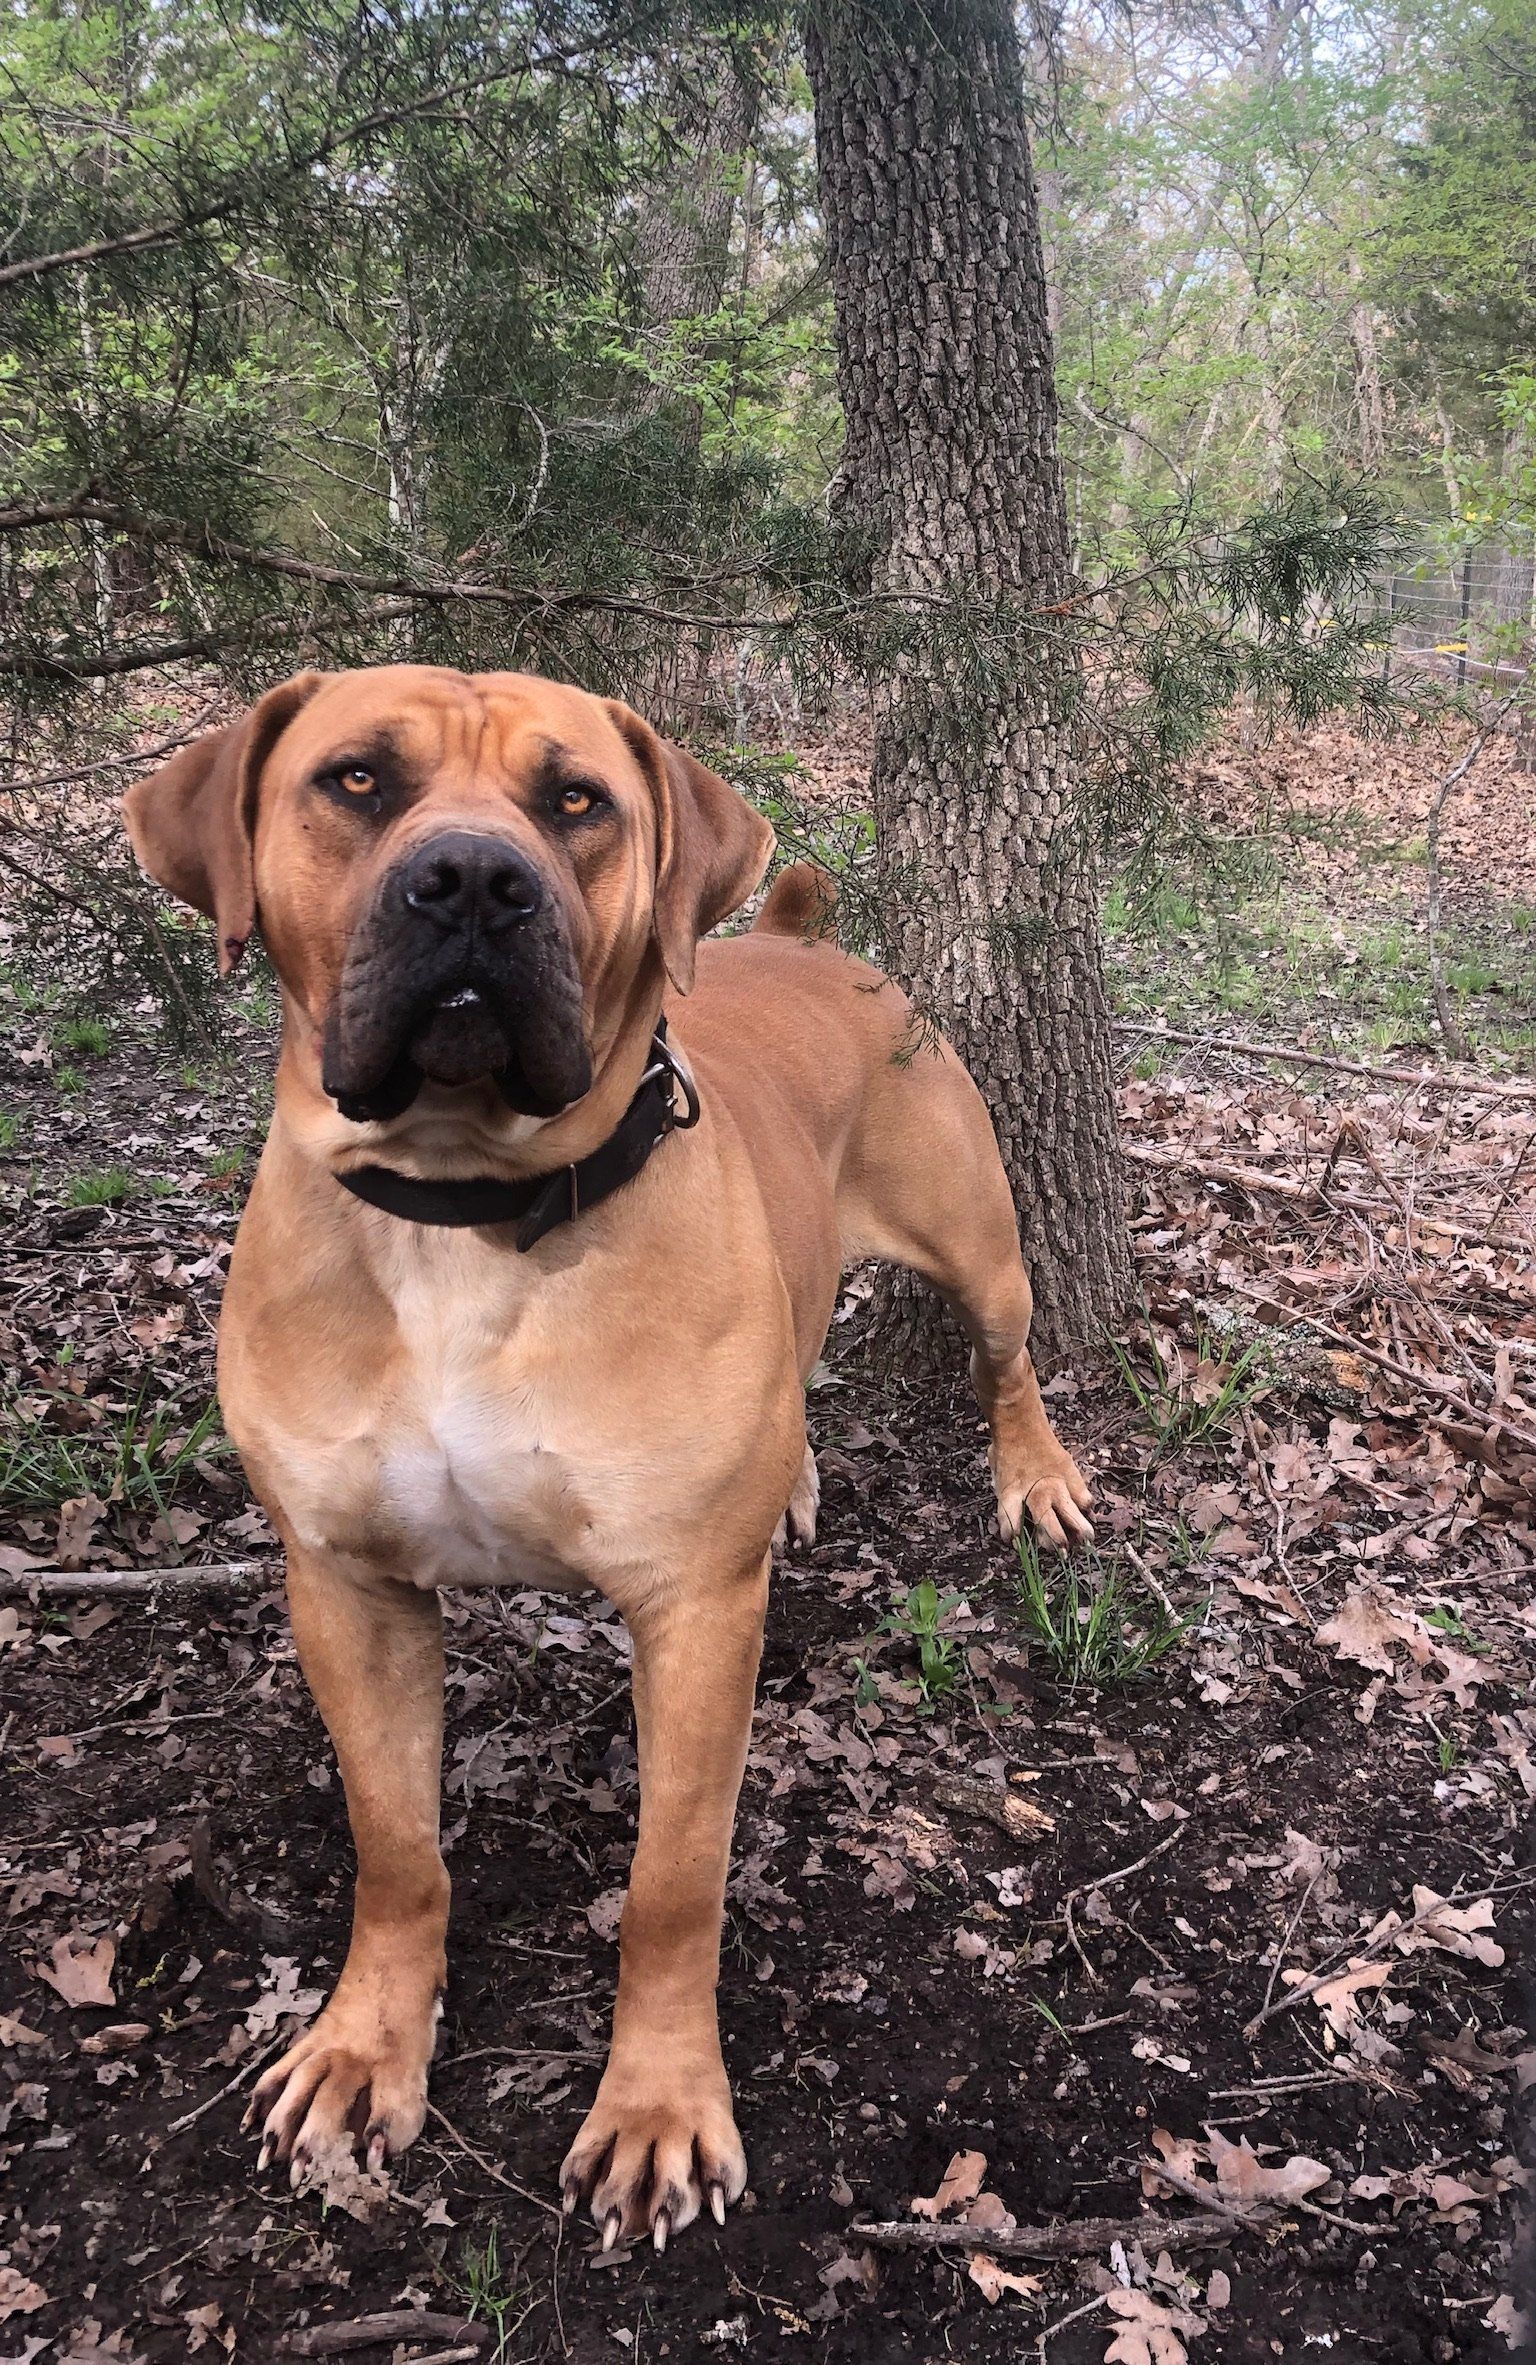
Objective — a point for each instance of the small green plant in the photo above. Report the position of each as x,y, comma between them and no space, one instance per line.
919,1618
490,2295
108,1186
1448,1622
1472,977
89,1038
136,1457
865,1691
68,1081
1180,1411
10,1129
227,1172
1093,1624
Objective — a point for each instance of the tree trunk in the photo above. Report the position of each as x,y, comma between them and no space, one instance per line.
951,478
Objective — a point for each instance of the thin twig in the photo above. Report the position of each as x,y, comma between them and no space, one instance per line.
488,2167
190,2118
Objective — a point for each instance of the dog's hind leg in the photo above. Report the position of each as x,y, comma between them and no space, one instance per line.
924,1187
798,1525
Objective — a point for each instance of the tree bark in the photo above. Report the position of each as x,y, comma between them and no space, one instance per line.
951,480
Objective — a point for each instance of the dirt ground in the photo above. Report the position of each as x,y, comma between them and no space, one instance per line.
1265,1930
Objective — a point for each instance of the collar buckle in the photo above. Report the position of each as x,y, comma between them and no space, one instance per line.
665,1064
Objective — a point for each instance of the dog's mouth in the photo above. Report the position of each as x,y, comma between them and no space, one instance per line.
456,1008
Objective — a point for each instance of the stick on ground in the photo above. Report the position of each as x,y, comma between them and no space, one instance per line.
1086,2238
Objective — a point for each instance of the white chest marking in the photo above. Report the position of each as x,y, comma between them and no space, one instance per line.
456,1474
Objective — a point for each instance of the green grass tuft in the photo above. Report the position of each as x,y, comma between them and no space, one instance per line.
135,1456
1093,1623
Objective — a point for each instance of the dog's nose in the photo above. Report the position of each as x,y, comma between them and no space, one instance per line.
460,880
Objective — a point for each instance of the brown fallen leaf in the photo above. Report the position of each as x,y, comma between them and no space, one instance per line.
1365,1629
1149,2333
16,2032
992,2280
1243,2177
81,1970
1335,1999
78,1521
18,2297
960,2184
1453,1929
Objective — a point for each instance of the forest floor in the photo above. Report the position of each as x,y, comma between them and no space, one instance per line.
1015,1934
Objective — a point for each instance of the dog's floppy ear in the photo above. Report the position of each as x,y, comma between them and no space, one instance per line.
712,847
192,824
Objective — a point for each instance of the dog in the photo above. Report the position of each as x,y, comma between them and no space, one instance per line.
528,1289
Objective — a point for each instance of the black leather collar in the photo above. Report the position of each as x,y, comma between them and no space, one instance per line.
540,1202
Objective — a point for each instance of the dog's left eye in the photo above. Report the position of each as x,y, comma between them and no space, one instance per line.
357,780
577,803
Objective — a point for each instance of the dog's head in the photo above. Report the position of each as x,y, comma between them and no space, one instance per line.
454,875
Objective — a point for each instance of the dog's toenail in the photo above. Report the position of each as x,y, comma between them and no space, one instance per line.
611,2225
717,2203
660,2231
569,2197
264,2156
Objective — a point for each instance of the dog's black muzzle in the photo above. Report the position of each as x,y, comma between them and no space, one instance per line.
461,969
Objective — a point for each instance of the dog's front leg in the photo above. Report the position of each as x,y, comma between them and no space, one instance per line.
372,1655
660,2140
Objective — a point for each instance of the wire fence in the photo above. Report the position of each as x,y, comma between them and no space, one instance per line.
1470,615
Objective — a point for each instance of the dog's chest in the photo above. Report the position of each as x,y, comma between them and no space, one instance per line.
459,1468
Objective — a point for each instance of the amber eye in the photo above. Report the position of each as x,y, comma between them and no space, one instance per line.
576,802
357,780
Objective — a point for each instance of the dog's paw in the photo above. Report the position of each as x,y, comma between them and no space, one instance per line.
653,2153
798,1525
353,2082
1056,1499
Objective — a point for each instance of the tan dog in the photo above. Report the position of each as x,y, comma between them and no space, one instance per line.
476,891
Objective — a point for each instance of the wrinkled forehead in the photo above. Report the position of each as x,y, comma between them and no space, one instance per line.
442,725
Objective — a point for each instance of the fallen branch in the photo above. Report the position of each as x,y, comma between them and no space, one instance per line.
1305,1194
1291,1055
215,1576
983,1802
373,2332
1085,2238
1485,1417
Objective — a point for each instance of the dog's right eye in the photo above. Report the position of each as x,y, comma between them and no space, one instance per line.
352,784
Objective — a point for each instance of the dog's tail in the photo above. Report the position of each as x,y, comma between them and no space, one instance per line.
801,902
